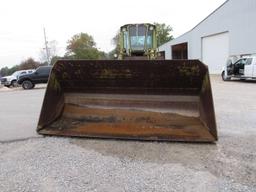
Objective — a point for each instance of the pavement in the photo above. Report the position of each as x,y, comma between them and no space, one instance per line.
19,112
29,162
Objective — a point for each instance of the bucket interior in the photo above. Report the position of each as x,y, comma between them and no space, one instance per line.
123,102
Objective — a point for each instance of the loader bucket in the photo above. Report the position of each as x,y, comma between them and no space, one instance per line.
162,100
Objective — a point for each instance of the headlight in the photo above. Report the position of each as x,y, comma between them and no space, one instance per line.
151,28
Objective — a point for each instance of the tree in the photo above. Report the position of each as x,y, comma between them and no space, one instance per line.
115,42
8,71
29,63
82,46
13,69
164,33
4,71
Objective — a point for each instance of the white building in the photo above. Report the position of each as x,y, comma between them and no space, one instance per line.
229,31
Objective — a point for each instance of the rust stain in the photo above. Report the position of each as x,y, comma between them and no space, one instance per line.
115,73
121,123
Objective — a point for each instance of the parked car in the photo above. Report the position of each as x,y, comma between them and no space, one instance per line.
11,80
244,68
40,75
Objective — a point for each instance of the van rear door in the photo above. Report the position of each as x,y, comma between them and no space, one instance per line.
254,67
248,67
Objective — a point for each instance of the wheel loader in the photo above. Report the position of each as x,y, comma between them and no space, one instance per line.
138,96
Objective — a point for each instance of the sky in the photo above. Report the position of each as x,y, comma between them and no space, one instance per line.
22,22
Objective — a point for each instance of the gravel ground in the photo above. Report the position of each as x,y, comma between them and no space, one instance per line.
53,164
65,164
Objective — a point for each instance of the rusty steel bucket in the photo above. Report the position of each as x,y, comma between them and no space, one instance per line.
162,100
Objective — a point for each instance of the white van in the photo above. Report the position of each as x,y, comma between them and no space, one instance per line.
244,68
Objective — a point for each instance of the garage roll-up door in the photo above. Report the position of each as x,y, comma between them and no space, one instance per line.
215,51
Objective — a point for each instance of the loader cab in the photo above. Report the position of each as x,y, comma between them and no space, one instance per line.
137,41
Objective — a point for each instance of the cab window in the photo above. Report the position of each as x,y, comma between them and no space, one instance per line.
43,70
241,62
248,61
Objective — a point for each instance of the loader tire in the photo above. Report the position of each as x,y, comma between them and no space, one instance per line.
27,84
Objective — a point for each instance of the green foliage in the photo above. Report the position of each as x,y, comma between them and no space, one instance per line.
82,46
103,55
4,71
29,63
13,69
115,42
111,54
164,33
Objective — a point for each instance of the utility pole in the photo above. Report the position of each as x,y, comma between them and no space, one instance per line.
46,48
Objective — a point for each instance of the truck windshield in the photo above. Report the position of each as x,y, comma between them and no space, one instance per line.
137,36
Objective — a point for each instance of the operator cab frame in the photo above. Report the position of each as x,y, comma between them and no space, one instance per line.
138,41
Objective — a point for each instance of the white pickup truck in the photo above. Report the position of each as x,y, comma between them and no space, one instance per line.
11,80
244,68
